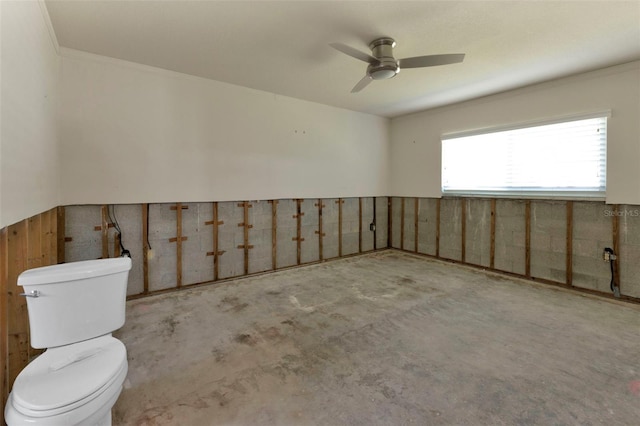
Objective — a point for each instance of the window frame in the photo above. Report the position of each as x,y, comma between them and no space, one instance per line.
524,194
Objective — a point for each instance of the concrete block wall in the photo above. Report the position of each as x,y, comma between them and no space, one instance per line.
548,240
350,226
510,236
260,236
382,221
129,217
163,270
230,236
330,228
629,225
83,241
450,229
409,231
310,246
197,266
478,232
196,231
592,231
427,226
396,222
286,230
591,226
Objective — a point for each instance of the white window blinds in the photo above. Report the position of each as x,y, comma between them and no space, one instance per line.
562,159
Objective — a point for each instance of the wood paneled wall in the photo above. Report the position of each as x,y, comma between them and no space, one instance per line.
31,243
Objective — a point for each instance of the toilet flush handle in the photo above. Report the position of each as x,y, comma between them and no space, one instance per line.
32,293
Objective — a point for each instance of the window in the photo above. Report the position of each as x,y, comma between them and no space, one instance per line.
562,159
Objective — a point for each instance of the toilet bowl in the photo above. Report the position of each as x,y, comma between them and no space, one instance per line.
78,379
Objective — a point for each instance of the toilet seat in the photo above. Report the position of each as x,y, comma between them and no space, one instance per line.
67,377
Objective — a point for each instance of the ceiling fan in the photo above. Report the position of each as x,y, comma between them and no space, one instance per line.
382,64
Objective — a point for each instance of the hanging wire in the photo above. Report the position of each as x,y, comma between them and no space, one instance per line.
111,211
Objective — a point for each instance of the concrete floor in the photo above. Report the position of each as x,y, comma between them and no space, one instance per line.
385,338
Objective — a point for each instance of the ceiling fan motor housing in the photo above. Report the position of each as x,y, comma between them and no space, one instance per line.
382,49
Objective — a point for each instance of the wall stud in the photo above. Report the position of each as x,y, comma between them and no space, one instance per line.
339,202
569,238
321,234
527,238
416,211
178,240
492,253
274,234
145,247
438,227
216,253
401,223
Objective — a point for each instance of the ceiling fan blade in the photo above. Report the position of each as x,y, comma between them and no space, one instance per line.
362,84
354,53
431,60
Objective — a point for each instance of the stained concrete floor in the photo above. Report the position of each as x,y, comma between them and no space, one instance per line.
385,338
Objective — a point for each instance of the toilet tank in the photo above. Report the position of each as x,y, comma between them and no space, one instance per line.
75,301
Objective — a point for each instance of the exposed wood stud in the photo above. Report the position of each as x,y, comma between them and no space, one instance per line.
216,253
179,238
145,247
359,224
438,227
615,231
492,254
60,231
401,223
569,254
246,246
339,202
274,234
375,219
463,229
416,210
390,222
105,231
527,238
321,234
216,249
298,238
116,245
68,239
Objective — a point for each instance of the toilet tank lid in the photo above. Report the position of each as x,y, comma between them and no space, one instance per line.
74,271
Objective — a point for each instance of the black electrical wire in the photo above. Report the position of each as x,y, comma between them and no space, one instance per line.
613,281
111,211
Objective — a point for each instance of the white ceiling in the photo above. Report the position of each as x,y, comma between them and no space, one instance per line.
282,47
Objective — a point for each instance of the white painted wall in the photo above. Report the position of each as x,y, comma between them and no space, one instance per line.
132,134
415,139
29,172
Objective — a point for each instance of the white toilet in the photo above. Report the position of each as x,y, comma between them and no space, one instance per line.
73,308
